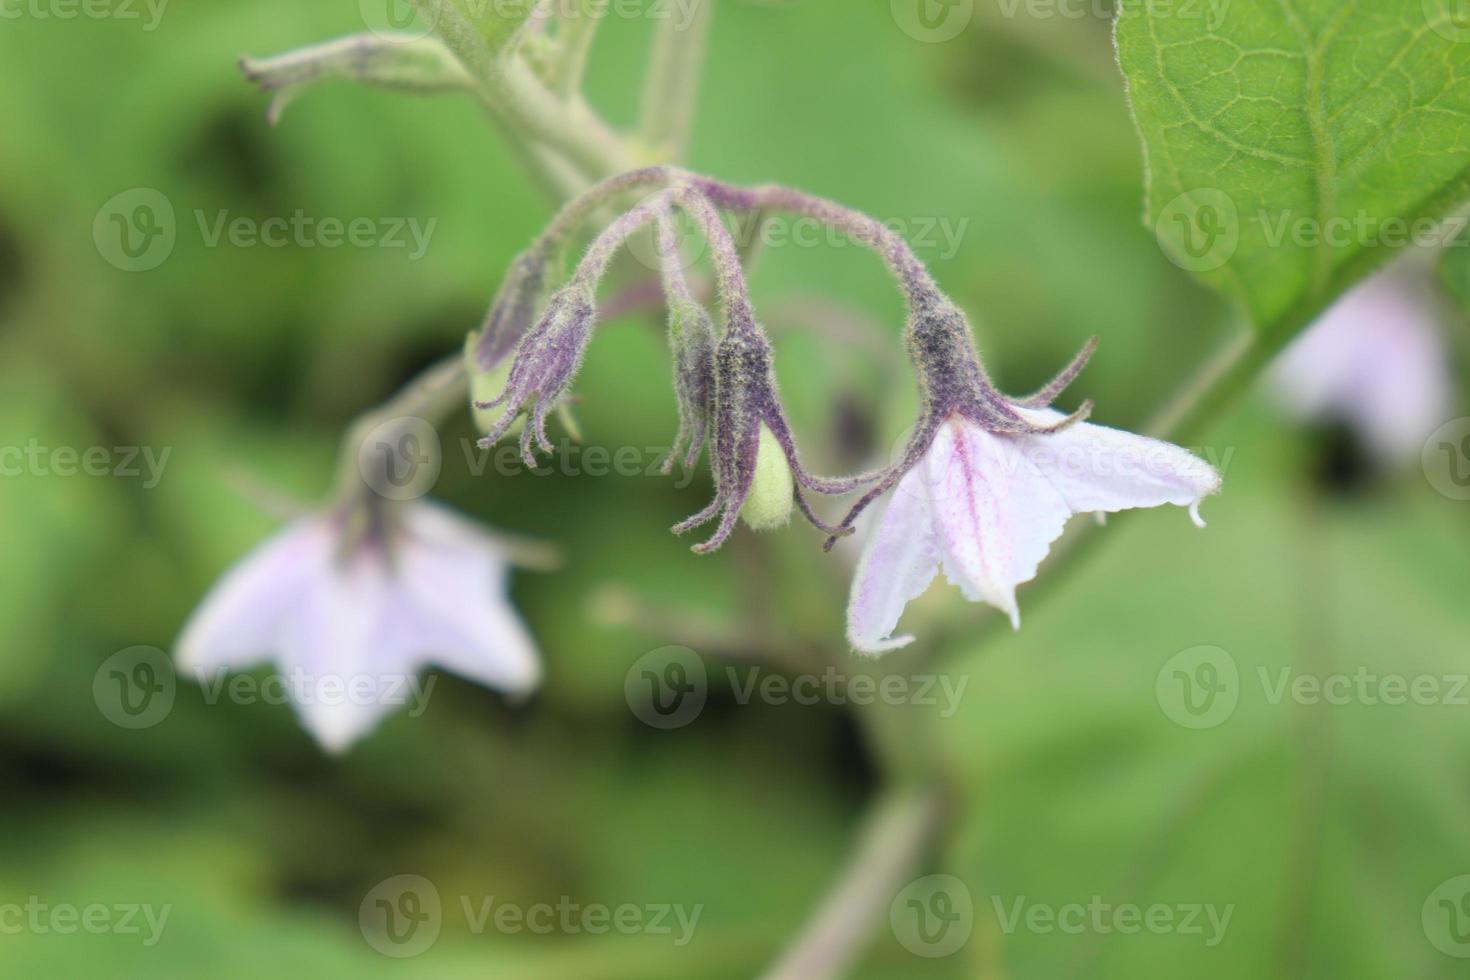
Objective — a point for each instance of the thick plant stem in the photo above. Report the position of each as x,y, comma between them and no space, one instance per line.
673,76
574,36
522,105
895,836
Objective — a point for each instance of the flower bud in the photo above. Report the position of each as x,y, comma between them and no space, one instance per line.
773,491
692,341
545,363
514,308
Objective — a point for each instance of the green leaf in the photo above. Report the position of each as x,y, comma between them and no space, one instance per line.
1290,145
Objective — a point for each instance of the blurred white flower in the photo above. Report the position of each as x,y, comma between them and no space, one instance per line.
1376,360
351,620
985,507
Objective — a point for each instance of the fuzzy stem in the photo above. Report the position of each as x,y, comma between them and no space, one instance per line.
918,286
571,217
730,284
605,245
676,284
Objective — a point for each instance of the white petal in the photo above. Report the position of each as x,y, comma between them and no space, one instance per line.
1096,468
456,581
239,622
898,562
995,517
335,658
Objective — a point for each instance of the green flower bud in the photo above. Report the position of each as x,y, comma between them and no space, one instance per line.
773,490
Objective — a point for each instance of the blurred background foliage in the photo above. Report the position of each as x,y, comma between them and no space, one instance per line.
1326,827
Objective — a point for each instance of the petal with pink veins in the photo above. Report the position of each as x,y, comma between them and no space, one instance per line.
995,517
899,561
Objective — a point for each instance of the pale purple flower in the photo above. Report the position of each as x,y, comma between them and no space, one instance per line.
985,507
1377,361
351,621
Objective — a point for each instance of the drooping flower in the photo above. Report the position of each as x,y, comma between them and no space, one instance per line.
351,617
987,483
1377,361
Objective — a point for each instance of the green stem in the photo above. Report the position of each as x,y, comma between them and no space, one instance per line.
521,103
432,396
896,833
574,37
673,81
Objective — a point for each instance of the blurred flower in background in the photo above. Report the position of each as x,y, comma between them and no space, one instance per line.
353,614
1377,361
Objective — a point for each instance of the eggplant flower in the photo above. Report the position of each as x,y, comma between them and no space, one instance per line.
1377,361
351,623
987,483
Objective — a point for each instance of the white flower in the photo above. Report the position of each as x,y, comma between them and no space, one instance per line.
986,507
353,627
1377,361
